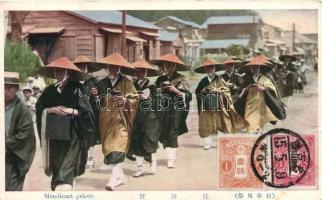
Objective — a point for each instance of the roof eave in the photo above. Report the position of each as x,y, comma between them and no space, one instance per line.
80,16
104,23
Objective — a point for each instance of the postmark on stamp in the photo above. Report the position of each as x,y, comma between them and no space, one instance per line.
310,178
234,168
280,158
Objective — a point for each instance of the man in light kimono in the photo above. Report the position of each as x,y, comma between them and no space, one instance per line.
259,101
215,106
118,105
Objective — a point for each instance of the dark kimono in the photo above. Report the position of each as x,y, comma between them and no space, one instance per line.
174,117
147,123
20,147
290,79
87,87
66,159
234,84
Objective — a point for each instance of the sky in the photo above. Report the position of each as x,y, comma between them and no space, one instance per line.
306,21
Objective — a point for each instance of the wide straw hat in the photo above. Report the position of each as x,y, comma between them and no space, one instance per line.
116,59
171,58
63,63
283,57
208,62
150,69
261,61
82,60
11,78
230,61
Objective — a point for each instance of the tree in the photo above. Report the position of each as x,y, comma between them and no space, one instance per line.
18,57
17,19
235,50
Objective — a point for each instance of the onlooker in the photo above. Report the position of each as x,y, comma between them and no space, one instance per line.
19,135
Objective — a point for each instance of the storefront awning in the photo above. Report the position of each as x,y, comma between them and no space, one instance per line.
113,30
150,34
47,30
135,39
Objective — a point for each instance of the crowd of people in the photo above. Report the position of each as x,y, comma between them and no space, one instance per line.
130,116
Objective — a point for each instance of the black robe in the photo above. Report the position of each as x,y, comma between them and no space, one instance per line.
87,87
290,79
20,147
174,118
201,85
68,159
234,84
147,123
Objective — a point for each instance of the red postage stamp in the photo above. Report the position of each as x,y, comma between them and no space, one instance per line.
282,158
234,169
309,178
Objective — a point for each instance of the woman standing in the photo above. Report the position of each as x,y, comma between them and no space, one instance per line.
215,105
147,124
175,92
64,121
118,105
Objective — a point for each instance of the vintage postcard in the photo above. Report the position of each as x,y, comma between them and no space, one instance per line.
170,100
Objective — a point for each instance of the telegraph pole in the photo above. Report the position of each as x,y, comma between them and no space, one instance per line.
254,32
123,33
293,37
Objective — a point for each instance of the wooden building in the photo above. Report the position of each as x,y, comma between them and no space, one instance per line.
95,34
219,46
175,24
171,43
233,27
191,33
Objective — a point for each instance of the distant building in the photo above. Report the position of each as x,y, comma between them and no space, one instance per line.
230,28
191,33
219,46
175,24
302,43
171,43
95,34
269,31
270,40
312,36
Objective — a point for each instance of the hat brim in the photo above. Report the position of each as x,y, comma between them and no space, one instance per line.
179,66
11,83
282,57
124,69
202,69
261,65
151,72
76,75
91,66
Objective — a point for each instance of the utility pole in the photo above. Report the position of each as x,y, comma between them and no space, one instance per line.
254,32
293,37
123,32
